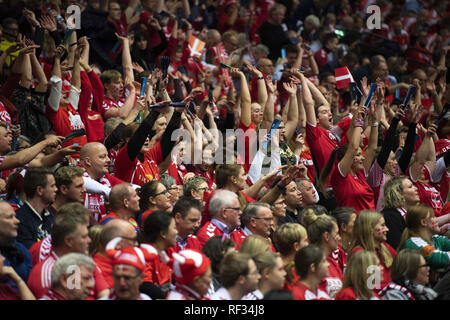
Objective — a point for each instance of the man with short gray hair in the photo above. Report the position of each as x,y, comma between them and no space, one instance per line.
257,218
225,210
72,278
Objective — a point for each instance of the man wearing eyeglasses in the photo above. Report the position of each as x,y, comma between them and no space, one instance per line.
225,212
257,218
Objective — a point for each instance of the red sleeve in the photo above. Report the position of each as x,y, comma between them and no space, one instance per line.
113,180
123,166
85,96
100,282
156,153
345,294
97,90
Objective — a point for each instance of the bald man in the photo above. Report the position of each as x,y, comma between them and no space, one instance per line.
124,204
94,159
113,229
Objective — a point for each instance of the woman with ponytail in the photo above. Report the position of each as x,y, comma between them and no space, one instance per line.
323,231
421,234
370,233
348,176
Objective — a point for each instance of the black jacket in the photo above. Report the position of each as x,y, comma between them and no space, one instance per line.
396,224
32,228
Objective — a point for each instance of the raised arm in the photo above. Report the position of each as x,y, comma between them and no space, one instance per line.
55,80
292,114
261,84
425,155
246,101
308,102
127,63
354,133
268,115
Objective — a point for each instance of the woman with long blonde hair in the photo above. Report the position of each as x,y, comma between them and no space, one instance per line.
370,234
356,277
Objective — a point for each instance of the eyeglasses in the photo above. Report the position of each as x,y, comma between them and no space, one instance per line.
204,189
235,209
265,219
162,192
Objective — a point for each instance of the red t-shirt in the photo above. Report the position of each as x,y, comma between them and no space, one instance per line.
138,172
333,283
427,193
301,292
386,271
109,103
156,271
349,294
352,191
249,136
66,120
192,242
321,143
106,266
41,250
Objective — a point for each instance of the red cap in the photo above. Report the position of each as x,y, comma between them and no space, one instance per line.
188,264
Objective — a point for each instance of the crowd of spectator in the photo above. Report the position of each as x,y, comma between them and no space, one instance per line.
209,150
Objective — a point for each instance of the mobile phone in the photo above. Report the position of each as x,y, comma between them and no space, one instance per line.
224,66
283,53
144,86
411,92
275,124
373,88
355,93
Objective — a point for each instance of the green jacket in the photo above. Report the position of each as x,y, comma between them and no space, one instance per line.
436,254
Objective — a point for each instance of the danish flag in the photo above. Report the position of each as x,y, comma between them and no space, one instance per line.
220,55
343,77
196,46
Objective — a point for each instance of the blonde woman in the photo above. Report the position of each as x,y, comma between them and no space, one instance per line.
323,231
370,234
356,277
273,275
399,194
421,234
254,245
288,239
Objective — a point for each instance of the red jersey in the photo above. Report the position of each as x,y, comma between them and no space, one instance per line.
109,103
156,271
96,202
386,271
39,280
208,231
4,114
340,256
106,266
427,193
66,120
402,39
41,250
333,283
191,242
302,292
307,160
250,137
352,190
138,172
321,142
349,294
52,295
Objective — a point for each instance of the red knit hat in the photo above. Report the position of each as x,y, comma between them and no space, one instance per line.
133,256
188,264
